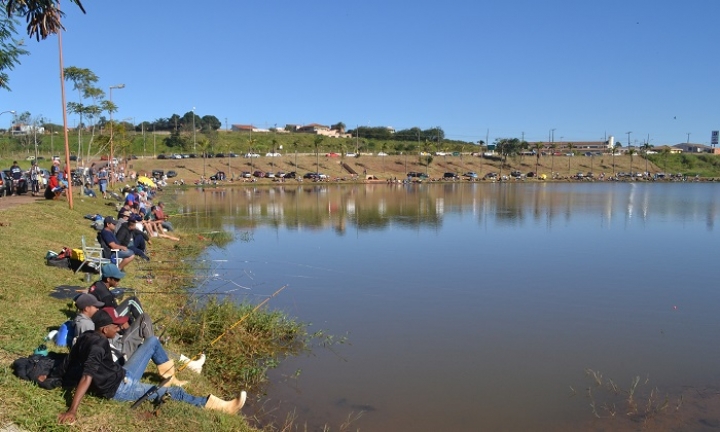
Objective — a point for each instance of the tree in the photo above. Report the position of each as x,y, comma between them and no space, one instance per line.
10,49
83,80
571,153
209,123
295,144
538,149
665,152
339,126
43,16
646,148
631,152
506,147
316,142
616,146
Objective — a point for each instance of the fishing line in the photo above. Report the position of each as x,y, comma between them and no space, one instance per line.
235,324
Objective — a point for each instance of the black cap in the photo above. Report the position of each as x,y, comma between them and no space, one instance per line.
101,319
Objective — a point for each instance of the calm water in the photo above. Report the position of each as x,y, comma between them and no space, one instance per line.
474,307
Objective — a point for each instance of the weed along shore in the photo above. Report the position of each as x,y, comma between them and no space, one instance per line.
241,341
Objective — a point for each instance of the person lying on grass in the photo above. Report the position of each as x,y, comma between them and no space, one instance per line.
90,367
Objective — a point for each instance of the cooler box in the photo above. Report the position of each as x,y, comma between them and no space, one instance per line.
77,254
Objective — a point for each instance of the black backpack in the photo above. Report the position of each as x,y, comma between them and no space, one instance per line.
51,365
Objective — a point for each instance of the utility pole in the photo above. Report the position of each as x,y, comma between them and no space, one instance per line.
194,134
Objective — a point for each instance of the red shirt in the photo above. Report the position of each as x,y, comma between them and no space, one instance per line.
53,182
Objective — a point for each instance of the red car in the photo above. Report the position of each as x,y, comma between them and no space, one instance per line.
259,174
332,155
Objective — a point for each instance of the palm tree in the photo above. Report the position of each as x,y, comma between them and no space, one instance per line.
538,148
43,16
665,152
646,148
318,140
295,147
553,147
251,148
615,146
571,153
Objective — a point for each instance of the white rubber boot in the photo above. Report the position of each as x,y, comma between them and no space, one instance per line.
195,365
230,407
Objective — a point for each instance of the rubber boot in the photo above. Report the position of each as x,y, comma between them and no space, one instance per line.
167,370
195,365
230,407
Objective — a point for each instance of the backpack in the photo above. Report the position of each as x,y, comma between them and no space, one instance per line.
51,365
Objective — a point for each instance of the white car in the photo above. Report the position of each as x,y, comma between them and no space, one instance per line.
252,155
350,155
382,154
272,155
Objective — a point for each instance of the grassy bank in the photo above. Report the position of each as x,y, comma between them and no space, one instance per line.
28,231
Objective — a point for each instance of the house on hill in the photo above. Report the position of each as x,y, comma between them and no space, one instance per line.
696,148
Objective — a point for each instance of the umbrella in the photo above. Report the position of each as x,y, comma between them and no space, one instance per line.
147,181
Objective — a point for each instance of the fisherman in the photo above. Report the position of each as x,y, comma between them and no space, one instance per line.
107,236
110,278
91,369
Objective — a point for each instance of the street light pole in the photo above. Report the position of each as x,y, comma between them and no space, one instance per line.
9,111
110,158
628,143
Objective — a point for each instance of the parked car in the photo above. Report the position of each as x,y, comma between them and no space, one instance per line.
450,175
232,155
171,174
280,174
382,154
332,155
516,174
413,174
259,174
5,184
491,176
291,174
176,156
218,176
160,156
350,154
471,175
220,155
271,154
158,174
312,176
246,174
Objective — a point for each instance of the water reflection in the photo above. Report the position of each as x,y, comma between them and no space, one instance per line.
476,306
425,206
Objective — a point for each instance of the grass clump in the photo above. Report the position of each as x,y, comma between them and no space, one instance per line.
245,353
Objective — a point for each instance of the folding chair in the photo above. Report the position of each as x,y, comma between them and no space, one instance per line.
112,255
92,256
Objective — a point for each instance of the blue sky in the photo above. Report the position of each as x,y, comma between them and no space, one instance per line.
585,69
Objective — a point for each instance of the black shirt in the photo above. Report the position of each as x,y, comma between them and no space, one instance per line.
101,291
91,355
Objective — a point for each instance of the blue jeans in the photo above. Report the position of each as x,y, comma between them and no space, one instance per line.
131,389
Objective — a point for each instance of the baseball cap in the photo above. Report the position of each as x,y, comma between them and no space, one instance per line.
84,300
112,271
116,319
110,220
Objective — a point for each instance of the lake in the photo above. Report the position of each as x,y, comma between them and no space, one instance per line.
476,306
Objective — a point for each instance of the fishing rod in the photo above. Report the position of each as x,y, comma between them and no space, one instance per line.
154,389
237,323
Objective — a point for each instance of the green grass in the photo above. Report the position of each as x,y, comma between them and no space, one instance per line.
27,232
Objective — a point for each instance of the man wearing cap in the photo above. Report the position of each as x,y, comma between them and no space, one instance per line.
128,235
108,241
102,180
90,367
87,305
110,278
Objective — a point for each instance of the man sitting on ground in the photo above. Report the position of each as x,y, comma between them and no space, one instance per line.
87,306
108,241
128,235
110,278
162,217
91,368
